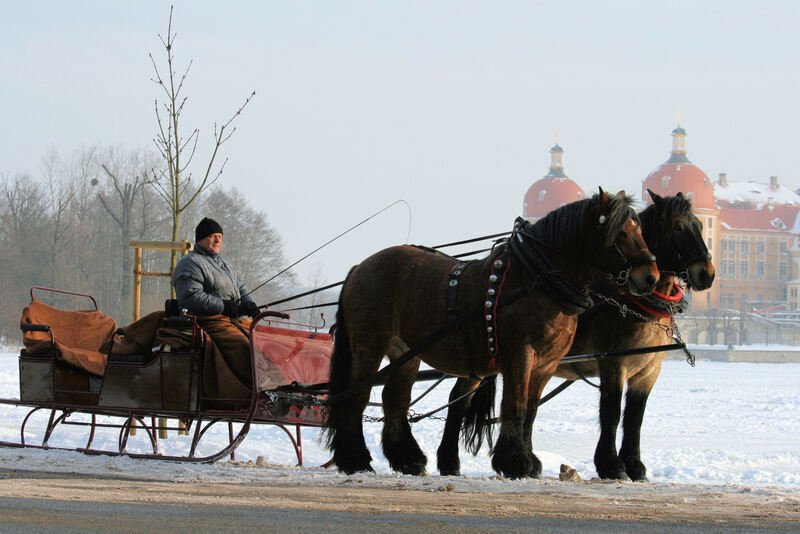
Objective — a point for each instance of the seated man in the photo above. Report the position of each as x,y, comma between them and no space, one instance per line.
207,286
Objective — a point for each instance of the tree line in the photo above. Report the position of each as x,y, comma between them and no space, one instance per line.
70,226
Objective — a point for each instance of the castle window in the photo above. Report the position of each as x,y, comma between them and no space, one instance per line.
744,269
759,269
744,247
665,182
760,247
783,270
542,194
728,268
728,246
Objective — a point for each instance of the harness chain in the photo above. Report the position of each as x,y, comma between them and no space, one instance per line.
671,330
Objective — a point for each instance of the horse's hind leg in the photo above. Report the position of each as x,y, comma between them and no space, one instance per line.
350,452
606,461
399,446
639,388
447,458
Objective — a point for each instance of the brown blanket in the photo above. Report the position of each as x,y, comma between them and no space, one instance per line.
226,361
227,373
78,335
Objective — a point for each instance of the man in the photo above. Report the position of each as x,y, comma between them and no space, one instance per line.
205,283
208,287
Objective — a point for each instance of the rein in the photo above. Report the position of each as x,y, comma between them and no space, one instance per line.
527,249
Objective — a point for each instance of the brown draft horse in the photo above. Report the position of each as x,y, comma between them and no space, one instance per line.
513,312
674,234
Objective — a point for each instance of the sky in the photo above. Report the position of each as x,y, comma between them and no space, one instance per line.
449,106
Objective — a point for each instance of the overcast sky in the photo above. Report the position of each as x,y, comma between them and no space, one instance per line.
451,106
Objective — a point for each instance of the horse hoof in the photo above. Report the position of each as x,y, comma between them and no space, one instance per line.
536,468
636,470
448,464
416,470
613,469
449,470
348,470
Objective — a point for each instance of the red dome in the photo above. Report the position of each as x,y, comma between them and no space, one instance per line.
684,177
547,194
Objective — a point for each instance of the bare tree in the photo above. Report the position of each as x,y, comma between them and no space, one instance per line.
174,183
59,195
127,174
23,238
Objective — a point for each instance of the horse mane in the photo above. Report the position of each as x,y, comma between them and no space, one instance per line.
676,213
563,225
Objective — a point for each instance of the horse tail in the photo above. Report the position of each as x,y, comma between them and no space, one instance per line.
478,419
341,365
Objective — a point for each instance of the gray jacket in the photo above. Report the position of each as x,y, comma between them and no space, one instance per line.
203,280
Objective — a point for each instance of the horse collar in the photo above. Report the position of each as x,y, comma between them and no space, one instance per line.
659,305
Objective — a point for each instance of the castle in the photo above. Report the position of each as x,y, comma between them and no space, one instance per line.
750,228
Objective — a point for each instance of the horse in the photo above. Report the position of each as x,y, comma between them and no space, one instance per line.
674,234
513,312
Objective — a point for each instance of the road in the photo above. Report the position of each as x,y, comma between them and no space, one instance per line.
50,503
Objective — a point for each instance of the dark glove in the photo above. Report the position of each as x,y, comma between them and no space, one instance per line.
230,308
249,307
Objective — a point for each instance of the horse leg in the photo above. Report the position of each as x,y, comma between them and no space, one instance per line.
512,455
350,452
639,388
606,461
447,459
399,446
538,383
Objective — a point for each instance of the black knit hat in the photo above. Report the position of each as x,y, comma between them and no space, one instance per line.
206,228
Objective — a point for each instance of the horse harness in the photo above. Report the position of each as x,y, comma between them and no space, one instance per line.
525,249
494,290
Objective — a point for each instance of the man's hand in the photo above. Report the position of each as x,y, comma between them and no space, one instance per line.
248,307
231,307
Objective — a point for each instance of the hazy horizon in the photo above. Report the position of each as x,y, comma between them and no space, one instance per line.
451,106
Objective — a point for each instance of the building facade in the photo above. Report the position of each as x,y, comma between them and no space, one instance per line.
751,229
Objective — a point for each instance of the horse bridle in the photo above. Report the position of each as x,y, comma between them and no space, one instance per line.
699,254
626,265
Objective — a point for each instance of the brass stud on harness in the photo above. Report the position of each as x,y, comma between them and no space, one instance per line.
493,278
453,282
488,304
491,292
498,264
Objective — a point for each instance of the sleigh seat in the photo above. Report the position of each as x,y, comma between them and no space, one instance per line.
62,360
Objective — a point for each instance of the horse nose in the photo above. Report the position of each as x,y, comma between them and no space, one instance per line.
650,280
707,278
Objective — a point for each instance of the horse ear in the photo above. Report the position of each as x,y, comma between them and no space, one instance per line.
621,193
602,195
679,195
657,200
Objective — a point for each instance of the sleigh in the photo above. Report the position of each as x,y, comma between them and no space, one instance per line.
77,369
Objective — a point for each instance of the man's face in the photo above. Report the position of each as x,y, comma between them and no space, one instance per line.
212,243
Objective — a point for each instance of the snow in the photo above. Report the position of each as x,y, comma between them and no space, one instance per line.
731,425
755,193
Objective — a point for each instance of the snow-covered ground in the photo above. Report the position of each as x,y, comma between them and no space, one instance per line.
718,423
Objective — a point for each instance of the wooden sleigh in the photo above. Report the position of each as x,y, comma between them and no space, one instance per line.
74,380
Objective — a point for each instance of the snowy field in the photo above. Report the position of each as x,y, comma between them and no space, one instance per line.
716,424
